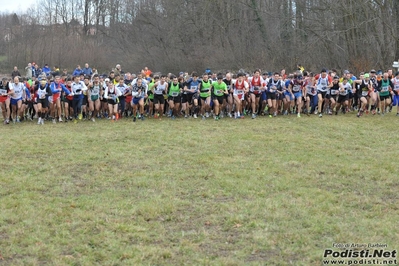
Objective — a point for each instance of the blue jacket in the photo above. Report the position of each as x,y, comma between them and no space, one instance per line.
46,70
54,90
77,72
87,71
38,72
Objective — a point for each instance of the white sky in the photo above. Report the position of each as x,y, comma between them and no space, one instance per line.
17,6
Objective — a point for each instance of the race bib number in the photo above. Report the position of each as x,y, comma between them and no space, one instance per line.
50,99
218,92
95,92
3,92
240,92
175,94
42,95
384,89
256,88
365,93
195,88
334,92
296,88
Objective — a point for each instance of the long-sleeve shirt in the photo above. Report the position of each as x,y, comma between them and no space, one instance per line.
109,93
54,88
78,88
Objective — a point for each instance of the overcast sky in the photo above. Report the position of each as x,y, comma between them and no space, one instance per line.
16,6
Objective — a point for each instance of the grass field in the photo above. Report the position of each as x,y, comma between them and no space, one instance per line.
189,192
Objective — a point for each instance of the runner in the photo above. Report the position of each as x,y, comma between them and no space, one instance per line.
32,105
219,90
150,98
311,93
125,90
323,85
343,98
395,92
366,87
128,100
17,91
78,87
263,96
274,92
205,89
288,95
384,86
160,88
190,99
257,85
93,96
296,87
5,100
332,96
68,100
85,102
43,92
174,93
112,94
240,88
104,102
374,95
56,88
139,93
228,98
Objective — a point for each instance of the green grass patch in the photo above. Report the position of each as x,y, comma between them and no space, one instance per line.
272,191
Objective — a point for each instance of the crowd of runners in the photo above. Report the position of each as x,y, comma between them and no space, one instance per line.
56,96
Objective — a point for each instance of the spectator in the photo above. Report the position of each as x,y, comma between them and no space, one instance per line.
118,70
56,71
38,71
15,73
95,71
77,71
147,72
29,71
46,70
87,70
33,69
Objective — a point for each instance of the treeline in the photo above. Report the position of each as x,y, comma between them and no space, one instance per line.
176,35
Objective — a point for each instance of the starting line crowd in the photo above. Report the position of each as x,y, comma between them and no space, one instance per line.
61,97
